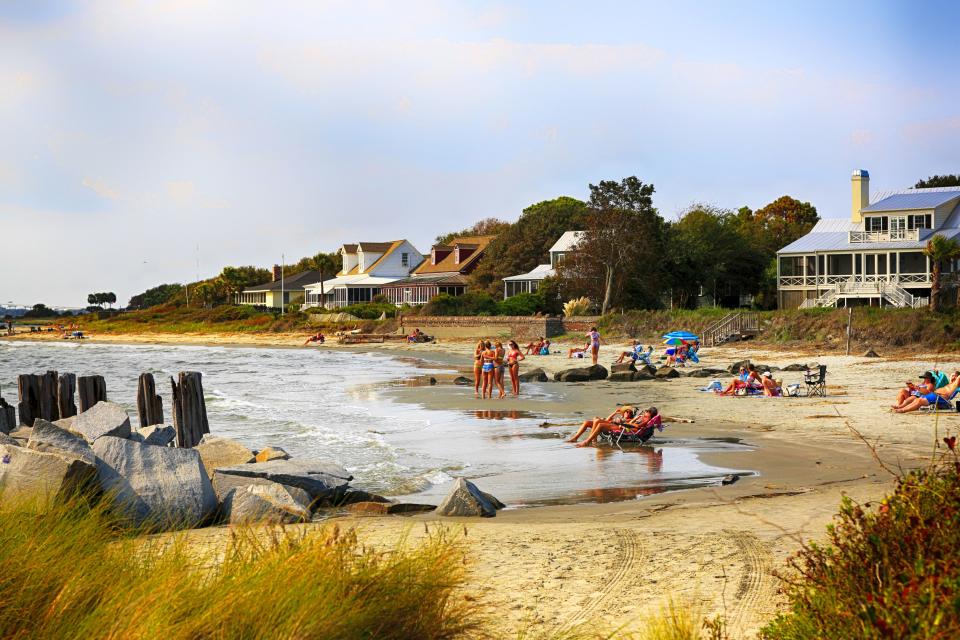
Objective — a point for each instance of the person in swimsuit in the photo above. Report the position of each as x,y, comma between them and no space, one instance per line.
477,364
319,337
914,390
499,370
940,396
594,344
619,416
514,356
632,353
637,424
534,347
488,364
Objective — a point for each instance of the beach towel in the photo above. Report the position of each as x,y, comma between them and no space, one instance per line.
715,385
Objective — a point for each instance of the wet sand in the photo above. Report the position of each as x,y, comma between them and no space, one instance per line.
553,567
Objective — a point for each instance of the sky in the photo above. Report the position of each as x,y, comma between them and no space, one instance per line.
149,142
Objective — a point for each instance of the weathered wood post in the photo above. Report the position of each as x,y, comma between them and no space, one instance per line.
91,389
28,392
149,404
189,409
66,387
8,417
49,409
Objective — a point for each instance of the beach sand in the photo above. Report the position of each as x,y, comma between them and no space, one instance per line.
551,568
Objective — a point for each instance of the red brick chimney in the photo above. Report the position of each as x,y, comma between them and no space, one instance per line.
276,272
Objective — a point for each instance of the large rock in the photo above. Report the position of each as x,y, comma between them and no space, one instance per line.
735,367
158,486
706,373
622,366
870,353
155,434
323,480
10,440
269,503
38,477
224,484
534,375
102,419
466,499
667,372
387,508
272,453
622,376
216,452
582,374
8,417
795,367
50,438
67,423
353,496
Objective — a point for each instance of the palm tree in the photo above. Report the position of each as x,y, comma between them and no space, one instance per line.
939,249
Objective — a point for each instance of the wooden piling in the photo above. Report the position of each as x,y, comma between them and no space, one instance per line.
189,409
91,390
8,416
49,408
28,392
66,388
149,404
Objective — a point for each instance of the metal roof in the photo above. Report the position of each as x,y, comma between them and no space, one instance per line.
920,199
567,241
834,235
295,281
539,272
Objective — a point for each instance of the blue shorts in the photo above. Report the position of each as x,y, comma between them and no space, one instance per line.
488,366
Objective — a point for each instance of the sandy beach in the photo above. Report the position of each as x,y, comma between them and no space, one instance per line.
551,568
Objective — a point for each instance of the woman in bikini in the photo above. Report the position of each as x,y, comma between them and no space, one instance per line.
594,344
514,356
619,416
500,368
477,365
488,359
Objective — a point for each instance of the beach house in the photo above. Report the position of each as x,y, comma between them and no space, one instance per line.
445,270
367,267
530,282
875,256
279,291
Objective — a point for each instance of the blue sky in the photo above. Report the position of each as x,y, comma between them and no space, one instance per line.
132,132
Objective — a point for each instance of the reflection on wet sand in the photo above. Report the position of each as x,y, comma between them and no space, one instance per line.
503,414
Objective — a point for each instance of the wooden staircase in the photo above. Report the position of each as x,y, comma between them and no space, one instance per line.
738,325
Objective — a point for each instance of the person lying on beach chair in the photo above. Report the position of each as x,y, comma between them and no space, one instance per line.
940,397
928,384
638,426
534,347
619,416
633,353
650,421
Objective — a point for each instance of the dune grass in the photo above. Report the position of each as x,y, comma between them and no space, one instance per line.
72,572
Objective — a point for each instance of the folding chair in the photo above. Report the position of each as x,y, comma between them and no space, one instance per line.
941,404
816,382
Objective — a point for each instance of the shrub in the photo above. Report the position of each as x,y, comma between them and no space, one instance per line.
469,304
576,307
522,304
889,573
73,572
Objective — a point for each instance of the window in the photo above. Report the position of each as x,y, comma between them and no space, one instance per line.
919,221
898,223
876,223
405,259
913,262
791,266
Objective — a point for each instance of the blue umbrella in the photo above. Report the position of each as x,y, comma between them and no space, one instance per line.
685,336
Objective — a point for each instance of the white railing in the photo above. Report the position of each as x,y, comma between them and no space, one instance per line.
892,292
921,279
884,236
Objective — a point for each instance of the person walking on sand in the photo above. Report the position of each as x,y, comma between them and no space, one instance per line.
594,343
514,356
477,366
499,369
488,358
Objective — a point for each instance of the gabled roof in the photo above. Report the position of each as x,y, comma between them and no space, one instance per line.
375,247
567,241
390,248
540,272
914,199
447,264
833,234
386,248
296,281
350,248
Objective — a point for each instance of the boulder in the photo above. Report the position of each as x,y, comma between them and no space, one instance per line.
270,503
621,367
368,508
224,484
10,440
21,435
102,419
534,375
48,437
66,423
795,367
387,508
216,452
42,476
8,417
352,496
706,373
462,381
272,453
582,374
643,374
622,376
404,508
466,500
735,367
155,434
870,353
158,486
667,372
323,480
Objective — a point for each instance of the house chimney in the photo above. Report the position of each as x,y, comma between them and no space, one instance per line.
276,272
860,182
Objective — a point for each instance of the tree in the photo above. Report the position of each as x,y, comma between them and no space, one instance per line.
939,181
526,243
152,297
939,249
618,258
110,298
93,299
205,292
485,227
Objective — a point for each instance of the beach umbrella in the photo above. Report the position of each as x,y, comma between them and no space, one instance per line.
676,341
684,336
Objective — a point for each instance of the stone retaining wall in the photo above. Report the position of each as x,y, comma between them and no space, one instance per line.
518,327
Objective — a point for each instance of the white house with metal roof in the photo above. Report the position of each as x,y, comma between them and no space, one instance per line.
530,282
876,256
367,266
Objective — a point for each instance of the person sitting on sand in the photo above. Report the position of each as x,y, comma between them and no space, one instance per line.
940,396
578,352
633,353
738,383
911,390
534,347
319,338
545,348
619,416
637,425
770,387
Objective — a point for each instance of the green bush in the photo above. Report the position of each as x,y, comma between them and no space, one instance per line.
889,573
522,304
362,310
469,304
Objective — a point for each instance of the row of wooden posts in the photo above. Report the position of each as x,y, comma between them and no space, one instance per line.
52,396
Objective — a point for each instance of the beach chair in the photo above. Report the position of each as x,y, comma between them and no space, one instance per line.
816,381
635,436
942,404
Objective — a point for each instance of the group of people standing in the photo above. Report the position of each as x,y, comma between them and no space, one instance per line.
490,361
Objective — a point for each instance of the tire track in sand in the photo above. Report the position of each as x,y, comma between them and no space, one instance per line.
756,581
629,554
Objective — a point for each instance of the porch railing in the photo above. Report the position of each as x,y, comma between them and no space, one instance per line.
921,279
894,235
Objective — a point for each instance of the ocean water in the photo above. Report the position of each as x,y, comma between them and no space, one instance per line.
337,405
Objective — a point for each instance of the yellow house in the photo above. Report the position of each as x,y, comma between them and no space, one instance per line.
280,291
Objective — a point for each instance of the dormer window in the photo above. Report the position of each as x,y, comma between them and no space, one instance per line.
405,259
